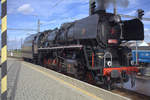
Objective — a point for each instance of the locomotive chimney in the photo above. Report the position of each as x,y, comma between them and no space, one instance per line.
97,6
115,11
115,8
101,5
92,6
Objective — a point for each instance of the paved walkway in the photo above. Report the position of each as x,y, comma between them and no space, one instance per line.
13,67
36,86
31,82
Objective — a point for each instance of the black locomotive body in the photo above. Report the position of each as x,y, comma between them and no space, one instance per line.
27,47
90,48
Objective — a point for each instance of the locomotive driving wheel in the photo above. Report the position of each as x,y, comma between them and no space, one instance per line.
89,78
45,62
108,83
80,71
40,59
80,74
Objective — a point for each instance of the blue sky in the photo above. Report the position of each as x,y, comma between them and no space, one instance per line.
52,13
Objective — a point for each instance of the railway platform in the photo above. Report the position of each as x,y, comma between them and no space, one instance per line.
27,81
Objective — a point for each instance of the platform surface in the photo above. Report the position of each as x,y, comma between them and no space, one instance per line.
32,82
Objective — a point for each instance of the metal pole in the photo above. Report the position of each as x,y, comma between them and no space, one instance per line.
21,42
136,53
38,26
4,50
115,8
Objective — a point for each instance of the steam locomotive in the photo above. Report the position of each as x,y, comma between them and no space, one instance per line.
89,49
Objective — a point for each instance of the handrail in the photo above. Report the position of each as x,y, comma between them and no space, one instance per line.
109,54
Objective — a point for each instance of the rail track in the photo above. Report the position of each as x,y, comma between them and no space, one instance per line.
130,94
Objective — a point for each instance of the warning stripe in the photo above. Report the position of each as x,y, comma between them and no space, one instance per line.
4,50
4,54
4,82
4,26
3,1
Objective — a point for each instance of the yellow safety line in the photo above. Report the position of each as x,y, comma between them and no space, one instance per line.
66,83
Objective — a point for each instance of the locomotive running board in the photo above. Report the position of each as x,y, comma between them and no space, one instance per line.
62,47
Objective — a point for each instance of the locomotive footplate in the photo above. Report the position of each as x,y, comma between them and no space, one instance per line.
128,70
94,68
62,47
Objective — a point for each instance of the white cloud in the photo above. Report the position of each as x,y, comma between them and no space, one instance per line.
147,34
146,22
25,9
132,12
11,11
147,30
147,14
133,2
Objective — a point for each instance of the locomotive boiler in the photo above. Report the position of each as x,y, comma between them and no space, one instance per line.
90,49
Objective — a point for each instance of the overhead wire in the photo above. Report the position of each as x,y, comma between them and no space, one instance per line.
21,29
57,3
60,1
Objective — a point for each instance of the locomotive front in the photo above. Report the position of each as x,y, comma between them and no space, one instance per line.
112,32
